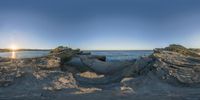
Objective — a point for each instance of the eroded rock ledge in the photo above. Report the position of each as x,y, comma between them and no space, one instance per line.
177,67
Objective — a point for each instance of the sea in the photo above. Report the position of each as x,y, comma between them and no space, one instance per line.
23,54
114,55
122,55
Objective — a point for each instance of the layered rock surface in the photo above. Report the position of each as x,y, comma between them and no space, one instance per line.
176,67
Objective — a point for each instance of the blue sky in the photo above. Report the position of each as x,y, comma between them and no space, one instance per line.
99,24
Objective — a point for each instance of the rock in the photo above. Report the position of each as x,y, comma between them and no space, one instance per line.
64,53
19,74
181,50
63,81
97,80
101,58
8,73
90,75
5,83
124,81
177,67
40,74
49,63
87,90
140,67
134,83
53,62
76,63
127,90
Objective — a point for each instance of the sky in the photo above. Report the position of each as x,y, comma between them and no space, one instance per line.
99,24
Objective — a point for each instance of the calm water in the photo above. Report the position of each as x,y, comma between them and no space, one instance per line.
110,55
24,54
122,55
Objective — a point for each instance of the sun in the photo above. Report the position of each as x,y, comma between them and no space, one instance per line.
13,47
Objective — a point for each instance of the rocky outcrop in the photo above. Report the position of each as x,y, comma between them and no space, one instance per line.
181,50
64,53
177,67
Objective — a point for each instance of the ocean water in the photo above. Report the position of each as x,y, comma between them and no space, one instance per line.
122,55
110,55
24,54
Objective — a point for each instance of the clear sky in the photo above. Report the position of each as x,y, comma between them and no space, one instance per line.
99,24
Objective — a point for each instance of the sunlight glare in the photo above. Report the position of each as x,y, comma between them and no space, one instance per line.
13,55
13,47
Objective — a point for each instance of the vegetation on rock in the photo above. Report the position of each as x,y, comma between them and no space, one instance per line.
181,49
64,53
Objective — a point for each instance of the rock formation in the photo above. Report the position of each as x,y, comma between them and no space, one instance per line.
182,66
64,53
169,73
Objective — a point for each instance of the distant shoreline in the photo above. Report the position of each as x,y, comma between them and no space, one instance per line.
9,50
116,50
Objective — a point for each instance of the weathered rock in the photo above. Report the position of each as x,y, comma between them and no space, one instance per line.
140,67
90,75
181,50
63,81
176,67
76,63
40,74
64,53
8,73
100,79
87,90
134,83
49,63
127,90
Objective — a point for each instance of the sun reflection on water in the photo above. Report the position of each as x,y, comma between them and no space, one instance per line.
13,55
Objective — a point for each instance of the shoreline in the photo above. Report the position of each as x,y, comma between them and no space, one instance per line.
8,50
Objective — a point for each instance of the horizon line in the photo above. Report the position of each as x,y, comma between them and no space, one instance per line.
75,48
